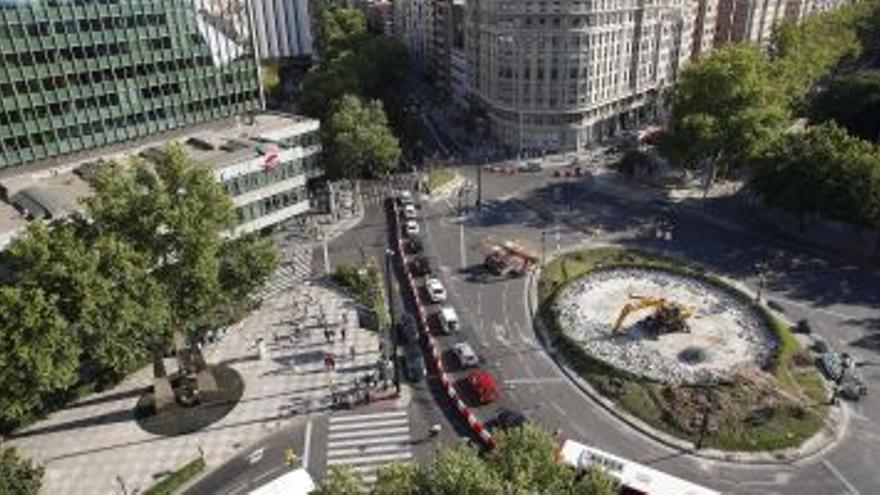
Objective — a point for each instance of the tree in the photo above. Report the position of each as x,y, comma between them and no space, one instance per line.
822,171
342,30
38,354
245,264
19,476
526,459
725,109
399,479
458,470
358,141
836,103
172,210
341,480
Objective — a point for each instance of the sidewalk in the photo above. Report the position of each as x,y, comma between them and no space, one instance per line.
96,447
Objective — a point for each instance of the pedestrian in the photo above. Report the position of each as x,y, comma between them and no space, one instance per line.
327,335
332,362
327,362
342,332
353,352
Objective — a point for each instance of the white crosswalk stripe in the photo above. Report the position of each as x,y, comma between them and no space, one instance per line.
366,442
289,272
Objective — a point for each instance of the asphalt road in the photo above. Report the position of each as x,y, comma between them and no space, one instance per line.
841,302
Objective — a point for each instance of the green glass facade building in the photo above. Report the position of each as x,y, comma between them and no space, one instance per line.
82,74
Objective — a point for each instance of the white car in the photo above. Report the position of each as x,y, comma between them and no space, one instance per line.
406,197
436,292
412,228
448,319
465,354
409,211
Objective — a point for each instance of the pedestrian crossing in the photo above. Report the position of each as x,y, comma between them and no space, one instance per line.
366,442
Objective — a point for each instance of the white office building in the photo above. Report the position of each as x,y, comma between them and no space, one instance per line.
282,28
563,74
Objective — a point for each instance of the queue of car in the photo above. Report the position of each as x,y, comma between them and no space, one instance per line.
480,384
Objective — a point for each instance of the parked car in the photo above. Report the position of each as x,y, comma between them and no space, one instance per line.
412,227
415,363
409,211
448,319
506,418
436,291
531,166
483,385
420,266
405,197
831,366
465,355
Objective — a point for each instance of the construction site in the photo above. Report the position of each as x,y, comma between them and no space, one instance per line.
664,326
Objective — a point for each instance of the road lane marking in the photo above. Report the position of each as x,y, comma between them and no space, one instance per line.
268,473
357,417
365,449
369,433
462,245
371,460
374,424
308,444
368,441
837,474
255,456
525,381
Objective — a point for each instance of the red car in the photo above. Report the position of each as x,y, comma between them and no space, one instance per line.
483,386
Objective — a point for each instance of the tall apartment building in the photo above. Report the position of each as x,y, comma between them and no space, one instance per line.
90,73
414,26
748,20
705,19
459,68
282,28
561,75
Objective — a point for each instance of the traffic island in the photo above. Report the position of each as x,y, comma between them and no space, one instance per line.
682,352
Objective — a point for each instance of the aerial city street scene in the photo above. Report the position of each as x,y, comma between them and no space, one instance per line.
442,247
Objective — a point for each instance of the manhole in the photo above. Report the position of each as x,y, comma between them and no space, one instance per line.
692,355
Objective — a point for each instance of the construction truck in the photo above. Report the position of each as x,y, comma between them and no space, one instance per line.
509,259
668,316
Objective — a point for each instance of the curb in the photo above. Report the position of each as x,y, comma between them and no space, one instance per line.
476,426
813,447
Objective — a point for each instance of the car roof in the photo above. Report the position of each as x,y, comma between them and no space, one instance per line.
434,281
465,349
449,312
483,378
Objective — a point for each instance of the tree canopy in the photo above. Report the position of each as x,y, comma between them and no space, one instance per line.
93,296
822,171
853,102
725,109
18,476
523,461
359,141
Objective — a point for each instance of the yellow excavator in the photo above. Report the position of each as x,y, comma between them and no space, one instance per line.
668,316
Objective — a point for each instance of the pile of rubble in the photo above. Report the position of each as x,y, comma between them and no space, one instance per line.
725,333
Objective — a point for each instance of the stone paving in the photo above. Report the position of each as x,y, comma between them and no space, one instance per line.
95,447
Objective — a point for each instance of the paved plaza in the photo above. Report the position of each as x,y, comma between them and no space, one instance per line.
95,447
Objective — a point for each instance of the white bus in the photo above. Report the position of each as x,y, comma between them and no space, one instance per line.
633,477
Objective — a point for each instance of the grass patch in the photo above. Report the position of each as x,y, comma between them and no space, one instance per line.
366,286
178,478
438,178
779,408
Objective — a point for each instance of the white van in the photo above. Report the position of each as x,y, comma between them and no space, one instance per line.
448,319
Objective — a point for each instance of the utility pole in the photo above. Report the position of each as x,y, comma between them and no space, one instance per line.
389,254
543,247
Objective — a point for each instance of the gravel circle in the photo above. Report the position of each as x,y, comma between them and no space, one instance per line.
726,335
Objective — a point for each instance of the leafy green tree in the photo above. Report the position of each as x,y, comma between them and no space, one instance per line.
458,470
725,109
245,264
342,480
822,171
399,479
358,141
326,84
19,476
172,210
38,353
836,102
596,482
342,30
525,458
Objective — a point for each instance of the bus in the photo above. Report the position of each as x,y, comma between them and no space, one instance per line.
632,477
